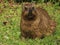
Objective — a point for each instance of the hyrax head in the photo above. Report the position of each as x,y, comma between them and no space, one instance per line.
29,12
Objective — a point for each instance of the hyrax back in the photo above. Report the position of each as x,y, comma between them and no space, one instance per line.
35,22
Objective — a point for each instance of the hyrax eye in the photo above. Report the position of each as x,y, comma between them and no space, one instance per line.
32,8
26,8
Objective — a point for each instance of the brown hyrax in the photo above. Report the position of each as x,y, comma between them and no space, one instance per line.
35,22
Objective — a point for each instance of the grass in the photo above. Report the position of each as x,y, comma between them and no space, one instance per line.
10,32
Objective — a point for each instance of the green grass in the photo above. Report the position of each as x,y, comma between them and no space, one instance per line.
9,33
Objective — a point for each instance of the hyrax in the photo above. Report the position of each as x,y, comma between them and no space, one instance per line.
35,22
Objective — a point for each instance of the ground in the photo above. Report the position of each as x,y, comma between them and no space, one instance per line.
10,26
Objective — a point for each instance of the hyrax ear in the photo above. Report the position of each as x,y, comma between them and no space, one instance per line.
24,7
33,3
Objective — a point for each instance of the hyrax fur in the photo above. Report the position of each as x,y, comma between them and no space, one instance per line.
35,22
